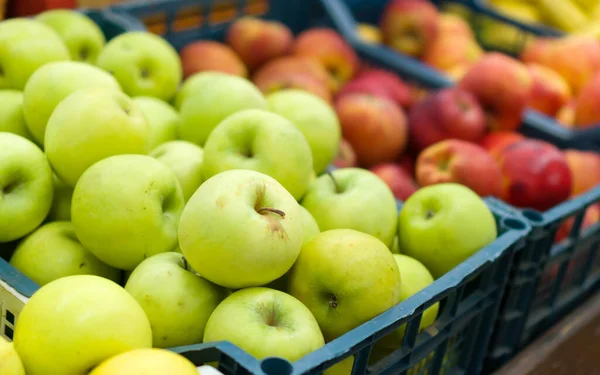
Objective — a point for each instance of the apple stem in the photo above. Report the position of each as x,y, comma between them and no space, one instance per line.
429,214
337,187
273,210
333,302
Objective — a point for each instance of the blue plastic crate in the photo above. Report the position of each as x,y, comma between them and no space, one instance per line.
347,13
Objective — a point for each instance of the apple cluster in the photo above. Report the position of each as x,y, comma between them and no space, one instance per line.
160,201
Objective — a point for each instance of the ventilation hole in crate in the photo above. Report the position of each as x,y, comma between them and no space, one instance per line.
276,366
8,332
533,215
10,317
514,223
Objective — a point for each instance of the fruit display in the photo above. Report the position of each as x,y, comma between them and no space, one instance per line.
556,76
272,190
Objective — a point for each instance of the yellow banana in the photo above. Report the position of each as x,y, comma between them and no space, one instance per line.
595,13
563,14
591,29
520,10
586,5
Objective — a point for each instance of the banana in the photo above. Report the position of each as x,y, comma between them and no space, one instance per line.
591,29
518,9
586,5
595,13
563,14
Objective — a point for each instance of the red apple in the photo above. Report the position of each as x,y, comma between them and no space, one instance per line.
211,56
257,41
331,51
585,170
410,26
550,91
587,104
460,162
450,113
502,85
346,157
374,126
536,175
495,142
401,184
382,83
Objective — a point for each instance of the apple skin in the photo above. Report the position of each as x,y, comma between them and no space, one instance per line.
586,107
333,53
61,202
502,85
495,142
585,170
225,238
79,135
126,208
353,198
210,56
335,275
409,26
26,188
164,288
53,251
369,33
261,141
401,184
370,120
268,323
26,45
536,175
84,314
185,160
257,41
210,98
380,82
310,228
162,118
315,119
576,58
143,63
82,36
415,277
450,113
148,362
550,91
345,157
443,225
12,119
61,78
10,363
461,162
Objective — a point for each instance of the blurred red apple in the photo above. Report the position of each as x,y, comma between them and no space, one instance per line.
382,83
401,184
550,91
450,113
587,104
495,142
374,126
460,162
536,175
207,55
502,85
346,157
585,170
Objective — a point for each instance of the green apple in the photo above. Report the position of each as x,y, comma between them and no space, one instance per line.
310,228
26,45
12,119
147,362
166,289
126,208
315,118
144,64
61,203
442,225
353,198
345,278
82,36
53,251
60,78
262,141
90,125
241,228
162,118
415,277
206,99
72,324
10,363
265,323
25,186
395,249
185,159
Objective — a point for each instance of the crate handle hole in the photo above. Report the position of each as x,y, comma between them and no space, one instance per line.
533,215
514,223
276,366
